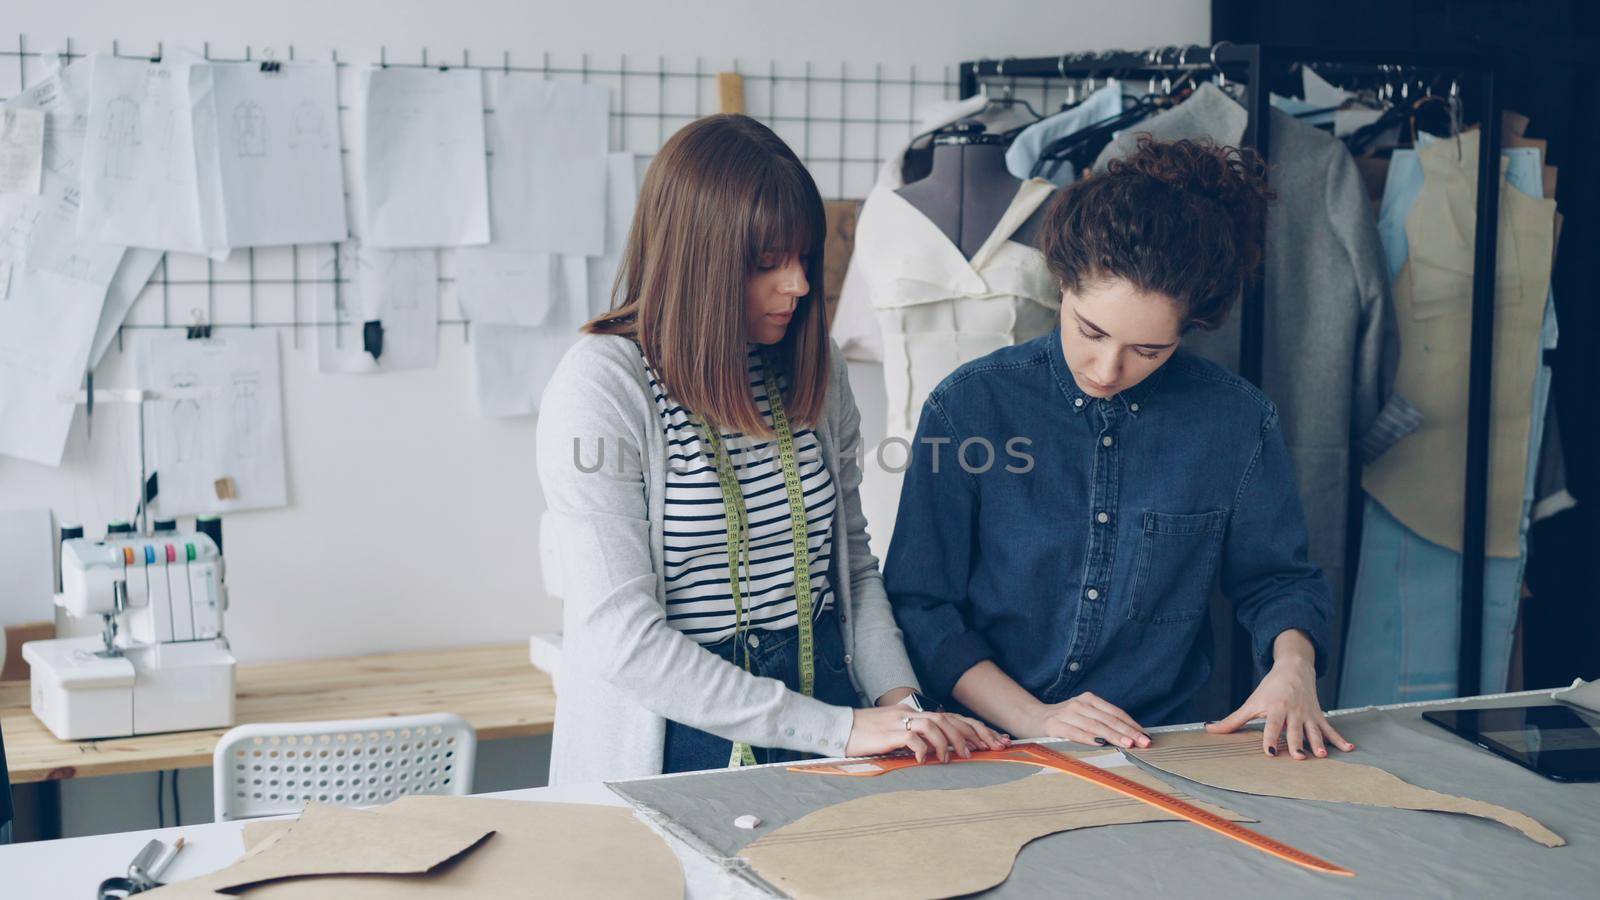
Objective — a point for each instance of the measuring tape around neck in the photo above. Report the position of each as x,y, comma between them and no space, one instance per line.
739,542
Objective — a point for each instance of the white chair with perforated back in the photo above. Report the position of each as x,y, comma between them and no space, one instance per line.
277,768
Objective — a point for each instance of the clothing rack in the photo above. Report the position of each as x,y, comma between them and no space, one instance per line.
1256,67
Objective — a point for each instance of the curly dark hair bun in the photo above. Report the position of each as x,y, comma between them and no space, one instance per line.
1182,219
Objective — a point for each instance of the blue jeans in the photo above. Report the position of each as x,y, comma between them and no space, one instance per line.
776,655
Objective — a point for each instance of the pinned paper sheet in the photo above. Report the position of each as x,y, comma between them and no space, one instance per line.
964,840
508,287
233,429
278,153
511,366
138,264
421,163
149,163
397,289
56,281
1234,762
622,194
548,168
21,150
64,96
46,326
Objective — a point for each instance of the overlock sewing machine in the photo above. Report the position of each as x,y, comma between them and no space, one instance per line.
161,662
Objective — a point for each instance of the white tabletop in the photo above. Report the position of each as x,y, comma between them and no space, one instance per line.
74,867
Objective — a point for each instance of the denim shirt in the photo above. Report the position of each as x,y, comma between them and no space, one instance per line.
1083,556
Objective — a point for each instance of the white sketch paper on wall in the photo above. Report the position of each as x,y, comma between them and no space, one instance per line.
622,194
58,283
233,431
422,174
548,168
63,96
397,289
511,366
278,154
46,326
512,363
148,168
134,272
510,287
21,150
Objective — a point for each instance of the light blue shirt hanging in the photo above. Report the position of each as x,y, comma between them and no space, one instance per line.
1030,143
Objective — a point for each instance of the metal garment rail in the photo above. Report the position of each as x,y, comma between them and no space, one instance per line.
1254,66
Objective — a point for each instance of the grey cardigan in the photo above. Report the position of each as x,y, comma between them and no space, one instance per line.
624,670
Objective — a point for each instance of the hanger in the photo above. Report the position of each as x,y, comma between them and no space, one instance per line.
1082,146
1007,100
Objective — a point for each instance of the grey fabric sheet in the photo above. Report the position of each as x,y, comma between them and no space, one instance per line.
1393,852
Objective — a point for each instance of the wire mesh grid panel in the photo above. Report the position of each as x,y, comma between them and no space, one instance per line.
840,120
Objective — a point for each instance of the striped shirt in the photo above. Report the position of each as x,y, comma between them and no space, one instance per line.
699,602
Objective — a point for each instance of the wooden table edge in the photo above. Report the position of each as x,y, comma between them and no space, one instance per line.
95,758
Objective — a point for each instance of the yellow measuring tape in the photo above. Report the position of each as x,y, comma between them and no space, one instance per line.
739,542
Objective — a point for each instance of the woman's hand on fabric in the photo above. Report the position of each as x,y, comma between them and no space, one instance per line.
1287,701
885,729
1088,719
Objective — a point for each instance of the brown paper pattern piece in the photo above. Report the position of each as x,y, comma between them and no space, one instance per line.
334,840
535,850
977,832
1234,762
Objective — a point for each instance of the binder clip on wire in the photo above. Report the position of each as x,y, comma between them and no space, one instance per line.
199,329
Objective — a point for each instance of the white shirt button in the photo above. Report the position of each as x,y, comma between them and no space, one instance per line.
1073,666
789,732
1078,403
1092,594
1134,407
1102,518
848,659
1106,441
754,641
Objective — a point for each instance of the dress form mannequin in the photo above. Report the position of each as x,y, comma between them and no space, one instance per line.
969,189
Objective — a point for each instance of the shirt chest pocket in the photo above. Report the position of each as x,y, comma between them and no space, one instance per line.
1175,565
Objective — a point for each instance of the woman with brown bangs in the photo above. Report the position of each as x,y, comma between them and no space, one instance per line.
698,450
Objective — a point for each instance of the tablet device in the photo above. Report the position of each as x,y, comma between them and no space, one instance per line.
1551,740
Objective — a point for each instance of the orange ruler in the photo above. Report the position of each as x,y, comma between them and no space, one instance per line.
1040,755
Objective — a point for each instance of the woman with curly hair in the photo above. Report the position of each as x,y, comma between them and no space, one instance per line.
1067,595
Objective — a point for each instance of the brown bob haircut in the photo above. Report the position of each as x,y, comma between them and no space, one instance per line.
722,192
1182,219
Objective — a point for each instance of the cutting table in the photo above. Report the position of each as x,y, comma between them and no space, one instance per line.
1394,852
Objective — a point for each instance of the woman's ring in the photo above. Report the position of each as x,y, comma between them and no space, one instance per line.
906,722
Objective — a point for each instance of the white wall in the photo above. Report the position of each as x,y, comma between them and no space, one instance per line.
892,32
411,522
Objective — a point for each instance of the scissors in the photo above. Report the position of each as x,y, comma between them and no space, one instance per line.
143,871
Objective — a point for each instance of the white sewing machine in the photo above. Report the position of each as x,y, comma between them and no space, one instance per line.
161,664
